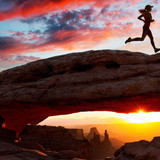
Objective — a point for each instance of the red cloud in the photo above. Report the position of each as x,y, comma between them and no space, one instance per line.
79,37
28,8
8,61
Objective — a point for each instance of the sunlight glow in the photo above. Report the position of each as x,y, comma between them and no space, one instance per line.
141,117
128,127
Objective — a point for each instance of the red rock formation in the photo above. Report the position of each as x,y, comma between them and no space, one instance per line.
100,149
102,80
57,139
92,133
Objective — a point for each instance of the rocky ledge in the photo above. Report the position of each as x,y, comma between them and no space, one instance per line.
9,151
104,80
44,143
142,150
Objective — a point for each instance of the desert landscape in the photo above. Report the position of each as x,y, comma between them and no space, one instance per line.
79,80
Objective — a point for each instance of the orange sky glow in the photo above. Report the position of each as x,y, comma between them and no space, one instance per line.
127,127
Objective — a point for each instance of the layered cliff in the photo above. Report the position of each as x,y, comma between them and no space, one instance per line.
43,143
57,139
107,80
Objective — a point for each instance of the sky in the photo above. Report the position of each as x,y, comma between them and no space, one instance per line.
130,127
99,117
34,29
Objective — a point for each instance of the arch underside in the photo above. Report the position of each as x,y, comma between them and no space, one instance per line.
104,80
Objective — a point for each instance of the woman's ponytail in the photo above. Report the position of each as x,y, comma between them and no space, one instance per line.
142,11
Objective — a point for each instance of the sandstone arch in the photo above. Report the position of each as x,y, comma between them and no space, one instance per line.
104,80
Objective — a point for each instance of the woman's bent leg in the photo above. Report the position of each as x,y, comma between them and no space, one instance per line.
144,34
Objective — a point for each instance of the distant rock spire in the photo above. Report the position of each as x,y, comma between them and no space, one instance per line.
100,149
106,138
92,133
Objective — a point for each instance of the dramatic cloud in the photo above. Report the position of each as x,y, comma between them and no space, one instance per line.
26,8
9,45
69,28
8,61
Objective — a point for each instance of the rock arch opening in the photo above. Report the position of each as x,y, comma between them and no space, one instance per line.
131,80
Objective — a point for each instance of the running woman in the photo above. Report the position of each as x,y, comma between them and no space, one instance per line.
146,17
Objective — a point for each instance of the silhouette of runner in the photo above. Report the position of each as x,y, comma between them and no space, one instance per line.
146,17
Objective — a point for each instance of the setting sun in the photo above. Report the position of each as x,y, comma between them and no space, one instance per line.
131,127
141,117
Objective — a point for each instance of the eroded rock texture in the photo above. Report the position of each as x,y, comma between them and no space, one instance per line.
10,151
142,150
105,80
69,142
